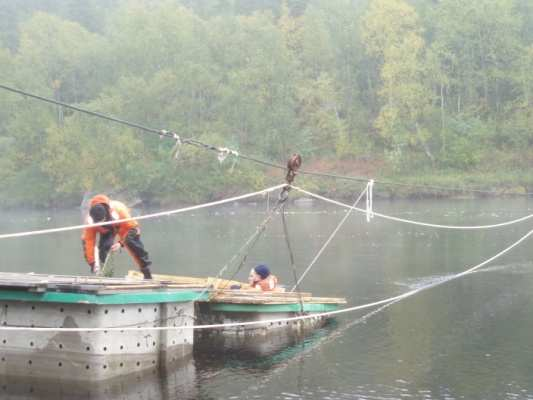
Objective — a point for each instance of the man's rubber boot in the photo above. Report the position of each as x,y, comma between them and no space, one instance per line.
146,272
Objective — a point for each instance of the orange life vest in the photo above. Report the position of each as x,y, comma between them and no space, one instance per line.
118,211
268,284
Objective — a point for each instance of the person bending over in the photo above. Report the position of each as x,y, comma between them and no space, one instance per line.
102,209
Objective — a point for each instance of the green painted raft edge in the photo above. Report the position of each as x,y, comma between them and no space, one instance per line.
166,296
273,308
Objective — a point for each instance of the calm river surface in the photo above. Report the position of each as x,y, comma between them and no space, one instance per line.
470,338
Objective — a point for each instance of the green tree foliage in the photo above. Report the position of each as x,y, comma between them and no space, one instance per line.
406,84
258,78
479,42
50,55
393,35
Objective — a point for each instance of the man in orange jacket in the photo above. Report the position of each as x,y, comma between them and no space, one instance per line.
102,209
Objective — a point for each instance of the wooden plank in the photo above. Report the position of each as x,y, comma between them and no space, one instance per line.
134,282
134,286
273,308
254,292
52,281
208,281
266,300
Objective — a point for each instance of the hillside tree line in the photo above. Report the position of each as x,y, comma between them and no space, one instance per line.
423,91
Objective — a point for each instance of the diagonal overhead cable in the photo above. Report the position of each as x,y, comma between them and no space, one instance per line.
197,143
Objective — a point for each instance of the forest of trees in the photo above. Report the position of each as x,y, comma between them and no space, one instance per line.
422,91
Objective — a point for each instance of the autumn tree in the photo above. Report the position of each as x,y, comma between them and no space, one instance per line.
392,34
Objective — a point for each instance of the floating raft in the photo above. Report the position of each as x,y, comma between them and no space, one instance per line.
62,301
226,306
49,284
247,299
54,301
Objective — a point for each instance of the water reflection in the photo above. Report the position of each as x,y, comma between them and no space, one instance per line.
267,354
177,382
181,381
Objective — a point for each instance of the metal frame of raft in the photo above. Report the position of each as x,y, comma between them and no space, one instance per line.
102,299
48,301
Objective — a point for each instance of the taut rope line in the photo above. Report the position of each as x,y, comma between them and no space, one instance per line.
409,221
223,152
326,243
147,216
268,190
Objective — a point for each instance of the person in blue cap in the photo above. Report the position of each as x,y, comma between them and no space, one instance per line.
260,278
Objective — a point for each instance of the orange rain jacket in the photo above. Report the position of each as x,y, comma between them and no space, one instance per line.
117,211
268,284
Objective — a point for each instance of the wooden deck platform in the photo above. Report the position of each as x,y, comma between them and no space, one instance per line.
87,284
173,302
215,290
219,291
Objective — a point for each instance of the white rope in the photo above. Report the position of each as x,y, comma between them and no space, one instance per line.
222,270
408,221
176,150
223,152
268,190
277,320
369,201
147,216
326,243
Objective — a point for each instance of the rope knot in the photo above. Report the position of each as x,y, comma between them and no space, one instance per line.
284,194
224,152
176,148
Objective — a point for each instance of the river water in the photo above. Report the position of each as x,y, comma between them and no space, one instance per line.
470,338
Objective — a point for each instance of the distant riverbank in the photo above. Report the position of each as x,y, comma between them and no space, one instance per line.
388,185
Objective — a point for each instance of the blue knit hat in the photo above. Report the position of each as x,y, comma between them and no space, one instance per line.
262,270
